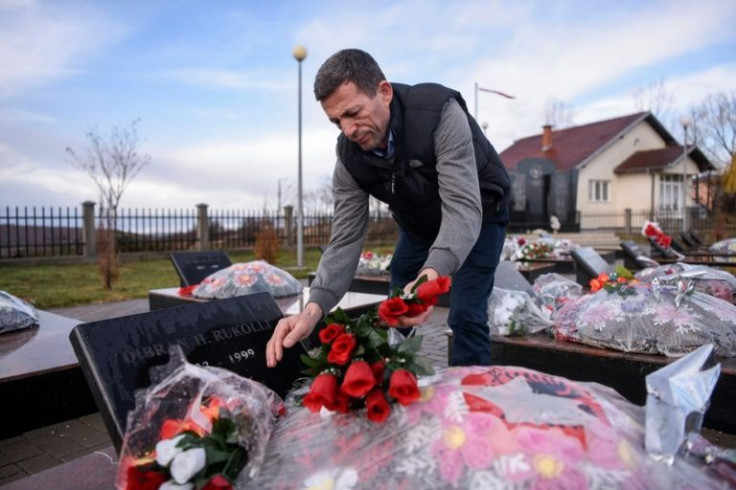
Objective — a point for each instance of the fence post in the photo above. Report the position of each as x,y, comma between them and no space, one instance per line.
88,229
288,224
627,221
203,230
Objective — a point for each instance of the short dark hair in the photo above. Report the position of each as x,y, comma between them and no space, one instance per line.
348,65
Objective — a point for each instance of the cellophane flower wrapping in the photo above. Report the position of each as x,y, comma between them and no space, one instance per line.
178,390
248,278
727,246
705,279
650,318
514,313
15,314
373,264
478,428
553,291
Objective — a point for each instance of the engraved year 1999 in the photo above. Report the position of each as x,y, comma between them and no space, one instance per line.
240,356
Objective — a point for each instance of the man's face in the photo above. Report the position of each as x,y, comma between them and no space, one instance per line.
364,120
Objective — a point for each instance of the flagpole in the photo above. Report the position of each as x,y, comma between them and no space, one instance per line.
475,113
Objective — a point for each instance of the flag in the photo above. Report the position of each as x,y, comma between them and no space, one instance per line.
502,94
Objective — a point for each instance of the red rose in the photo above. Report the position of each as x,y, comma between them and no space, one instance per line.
403,387
341,403
429,291
390,310
330,332
342,349
416,309
322,392
650,230
218,482
142,478
378,407
378,368
358,380
665,241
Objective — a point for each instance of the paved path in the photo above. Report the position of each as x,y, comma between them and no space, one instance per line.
47,447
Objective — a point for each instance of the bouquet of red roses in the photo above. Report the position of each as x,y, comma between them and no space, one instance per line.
356,367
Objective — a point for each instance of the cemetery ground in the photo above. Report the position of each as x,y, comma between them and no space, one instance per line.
75,291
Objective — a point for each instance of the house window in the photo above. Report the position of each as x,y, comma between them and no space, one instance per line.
599,191
670,192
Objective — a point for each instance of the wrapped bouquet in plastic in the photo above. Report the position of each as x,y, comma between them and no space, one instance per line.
196,427
511,245
553,291
373,264
650,318
479,428
537,249
705,279
15,314
248,278
514,313
727,246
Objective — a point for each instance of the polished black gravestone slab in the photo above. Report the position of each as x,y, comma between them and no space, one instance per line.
635,258
192,267
40,380
115,355
589,264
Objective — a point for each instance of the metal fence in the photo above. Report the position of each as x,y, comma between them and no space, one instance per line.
40,232
54,232
48,232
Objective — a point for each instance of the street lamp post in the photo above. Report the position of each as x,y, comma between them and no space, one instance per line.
300,53
686,122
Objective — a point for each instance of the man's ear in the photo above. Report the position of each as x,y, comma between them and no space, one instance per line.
386,92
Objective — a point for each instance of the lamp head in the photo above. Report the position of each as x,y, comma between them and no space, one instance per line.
686,121
299,52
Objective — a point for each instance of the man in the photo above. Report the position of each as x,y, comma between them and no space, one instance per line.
417,149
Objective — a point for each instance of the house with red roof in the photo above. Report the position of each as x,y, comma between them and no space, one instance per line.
605,167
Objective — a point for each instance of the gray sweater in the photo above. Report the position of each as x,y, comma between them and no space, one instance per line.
461,213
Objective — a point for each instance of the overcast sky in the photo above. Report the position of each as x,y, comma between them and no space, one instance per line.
215,85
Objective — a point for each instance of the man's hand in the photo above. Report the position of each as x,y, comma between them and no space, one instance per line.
291,330
431,276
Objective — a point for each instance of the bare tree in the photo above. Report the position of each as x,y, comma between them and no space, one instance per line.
655,98
558,114
112,163
715,127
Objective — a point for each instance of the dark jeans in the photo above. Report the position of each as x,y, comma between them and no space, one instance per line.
471,286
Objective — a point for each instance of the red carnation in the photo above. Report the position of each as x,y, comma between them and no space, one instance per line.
218,482
378,368
665,241
429,291
330,332
358,380
378,407
390,310
403,387
342,349
322,392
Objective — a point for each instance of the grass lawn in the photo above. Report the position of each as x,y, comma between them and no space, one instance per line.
61,286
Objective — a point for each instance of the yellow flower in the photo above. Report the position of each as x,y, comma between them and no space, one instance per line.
625,453
454,437
547,466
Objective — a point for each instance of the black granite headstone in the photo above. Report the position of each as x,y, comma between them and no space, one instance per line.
508,277
115,355
192,267
588,264
635,258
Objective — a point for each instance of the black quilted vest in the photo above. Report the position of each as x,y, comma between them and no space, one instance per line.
409,185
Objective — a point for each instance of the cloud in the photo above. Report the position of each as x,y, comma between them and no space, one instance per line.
43,42
229,79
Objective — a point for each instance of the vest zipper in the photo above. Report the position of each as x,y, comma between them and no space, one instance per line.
393,180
